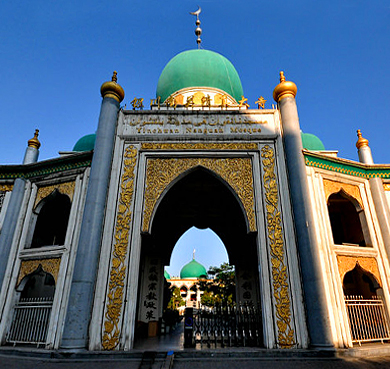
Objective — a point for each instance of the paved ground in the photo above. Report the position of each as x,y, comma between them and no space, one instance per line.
10,362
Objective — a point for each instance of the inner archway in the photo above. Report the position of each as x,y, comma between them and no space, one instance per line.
203,200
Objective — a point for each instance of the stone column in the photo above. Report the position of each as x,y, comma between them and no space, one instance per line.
377,192
75,333
9,225
316,307
32,152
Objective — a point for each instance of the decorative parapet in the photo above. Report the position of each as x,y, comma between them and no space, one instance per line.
43,168
345,166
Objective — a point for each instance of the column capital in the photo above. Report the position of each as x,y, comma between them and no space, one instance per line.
284,88
112,89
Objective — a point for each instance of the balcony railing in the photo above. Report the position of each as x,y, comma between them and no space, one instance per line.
30,321
367,319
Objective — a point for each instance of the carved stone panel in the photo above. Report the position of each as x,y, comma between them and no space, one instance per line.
280,278
237,172
51,266
115,295
332,187
348,263
66,188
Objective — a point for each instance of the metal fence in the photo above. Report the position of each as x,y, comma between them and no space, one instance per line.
228,326
367,319
30,321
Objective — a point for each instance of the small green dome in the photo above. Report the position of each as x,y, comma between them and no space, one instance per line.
166,275
85,143
193,270
199,68
311,142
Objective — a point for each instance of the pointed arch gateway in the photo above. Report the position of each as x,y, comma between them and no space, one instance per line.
200,197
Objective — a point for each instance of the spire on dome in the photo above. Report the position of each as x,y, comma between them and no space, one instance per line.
198,30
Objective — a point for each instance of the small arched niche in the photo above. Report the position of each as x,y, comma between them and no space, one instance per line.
348,221
52,216
359,282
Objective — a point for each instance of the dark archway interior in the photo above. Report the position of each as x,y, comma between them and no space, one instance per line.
38,284
358,282
52,221
345,221
202,200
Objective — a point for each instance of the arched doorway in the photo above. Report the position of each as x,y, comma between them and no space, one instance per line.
365,306
32,310
199,199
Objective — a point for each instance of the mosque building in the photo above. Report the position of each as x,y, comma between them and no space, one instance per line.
85,236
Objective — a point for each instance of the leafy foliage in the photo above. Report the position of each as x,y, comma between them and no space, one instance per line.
176,300
221,290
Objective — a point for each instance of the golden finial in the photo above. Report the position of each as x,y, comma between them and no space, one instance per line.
34,142
284,88
361,141
112,89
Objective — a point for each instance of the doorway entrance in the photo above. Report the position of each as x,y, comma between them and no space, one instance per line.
200,199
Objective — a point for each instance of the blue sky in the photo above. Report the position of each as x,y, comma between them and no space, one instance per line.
55,56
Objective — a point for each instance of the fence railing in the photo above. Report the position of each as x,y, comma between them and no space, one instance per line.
30,321
367,319
228,326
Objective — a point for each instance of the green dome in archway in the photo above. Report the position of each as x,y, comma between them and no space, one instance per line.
166,275
193,270
311,142
85,143
199,68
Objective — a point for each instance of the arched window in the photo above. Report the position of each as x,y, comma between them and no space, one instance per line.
31,317
194,292
183,292
52,221
348,222
358,282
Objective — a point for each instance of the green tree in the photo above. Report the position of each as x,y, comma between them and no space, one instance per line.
221,290
176,300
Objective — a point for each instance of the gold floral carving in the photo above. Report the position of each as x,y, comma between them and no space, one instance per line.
51,266
386,186
66,188
237,172
276,242
114,300
348,263
6,187
332,187
199,146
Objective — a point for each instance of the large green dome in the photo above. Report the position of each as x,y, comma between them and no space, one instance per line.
311,142
193,270
199,68
85,143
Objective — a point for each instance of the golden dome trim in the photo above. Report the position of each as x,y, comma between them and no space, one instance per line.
361,142
112,89
284,89
34,142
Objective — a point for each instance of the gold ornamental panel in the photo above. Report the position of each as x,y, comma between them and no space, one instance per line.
200,146
66,188
281,289
116,283
6,187
348,263
51,266
386,186
237,172
332,187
